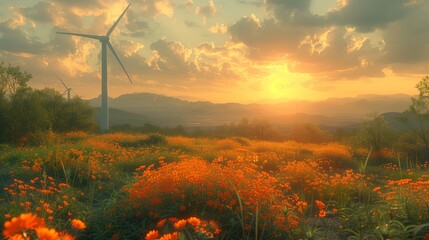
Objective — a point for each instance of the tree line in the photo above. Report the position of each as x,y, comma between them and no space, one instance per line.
30,115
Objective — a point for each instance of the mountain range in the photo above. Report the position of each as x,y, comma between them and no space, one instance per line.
140,108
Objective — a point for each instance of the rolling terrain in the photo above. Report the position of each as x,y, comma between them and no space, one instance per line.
140,108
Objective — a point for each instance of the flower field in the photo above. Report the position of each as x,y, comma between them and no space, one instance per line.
135,186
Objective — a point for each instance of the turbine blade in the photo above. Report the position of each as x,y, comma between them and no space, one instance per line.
117,21
117,58
61,81
82,35
65,92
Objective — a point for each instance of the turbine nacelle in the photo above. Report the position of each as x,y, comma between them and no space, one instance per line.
104,38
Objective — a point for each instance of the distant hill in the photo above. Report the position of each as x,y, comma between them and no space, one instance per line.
120,117
139,108
400,122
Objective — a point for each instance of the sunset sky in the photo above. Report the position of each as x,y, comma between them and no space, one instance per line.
223,50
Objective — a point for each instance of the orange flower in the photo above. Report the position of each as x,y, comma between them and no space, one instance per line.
376,189
320,205
322,213
22,223
194,221
215,226
152,235
47,234
18,237
173,219
161,223
180,224
170,236
66,236
78,224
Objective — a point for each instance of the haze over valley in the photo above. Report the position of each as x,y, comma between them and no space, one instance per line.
140,108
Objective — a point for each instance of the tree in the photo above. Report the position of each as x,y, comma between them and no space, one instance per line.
26,113
27,116
75,114
417,116
53,102
12,79
308,133
376,132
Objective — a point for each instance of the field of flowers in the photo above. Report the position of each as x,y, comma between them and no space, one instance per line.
134,186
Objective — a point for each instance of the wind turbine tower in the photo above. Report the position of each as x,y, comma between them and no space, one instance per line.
68,90
104,116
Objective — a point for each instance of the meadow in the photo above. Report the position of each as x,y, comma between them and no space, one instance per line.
134,186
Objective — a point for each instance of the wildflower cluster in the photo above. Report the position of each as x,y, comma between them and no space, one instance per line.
225,187
191,228
28,226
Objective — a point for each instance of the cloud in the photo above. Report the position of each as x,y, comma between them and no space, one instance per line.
170,58
256,3
206,11
76,63
42,12
128,47
15,38
357,39
339,44
154,8
368,15
189,4
406,41
136,27
219,28
206,65
294,12
266,40
191,24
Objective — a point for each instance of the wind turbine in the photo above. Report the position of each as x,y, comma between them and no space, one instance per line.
68,90
104,118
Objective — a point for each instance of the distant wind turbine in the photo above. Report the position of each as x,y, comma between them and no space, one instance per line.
104,118
68,90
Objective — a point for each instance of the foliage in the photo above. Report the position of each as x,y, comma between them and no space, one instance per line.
29,116
12,79
417,115
376,133
308,133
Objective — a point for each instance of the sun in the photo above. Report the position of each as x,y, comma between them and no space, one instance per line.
278,87
279,83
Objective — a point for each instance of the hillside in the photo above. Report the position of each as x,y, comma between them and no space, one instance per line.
139,108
